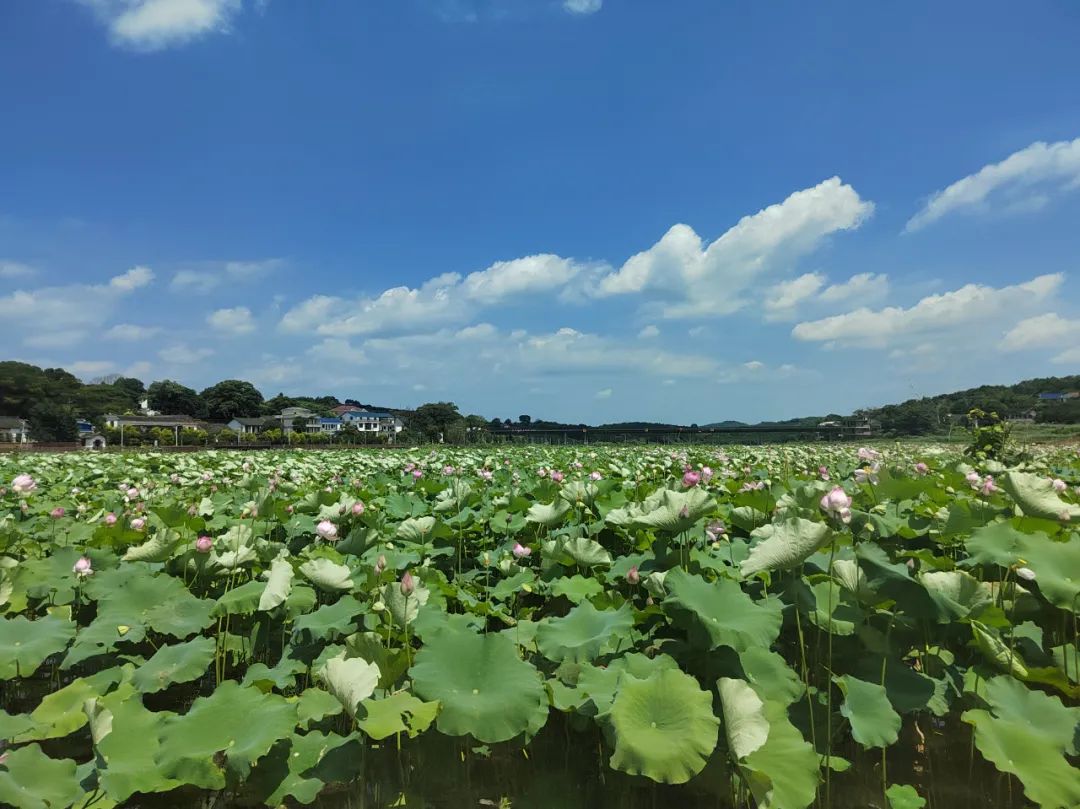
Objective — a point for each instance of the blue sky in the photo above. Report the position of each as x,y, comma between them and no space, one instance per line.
585,210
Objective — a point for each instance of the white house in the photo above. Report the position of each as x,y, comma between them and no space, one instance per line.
14,430
374,422
330,425
248,425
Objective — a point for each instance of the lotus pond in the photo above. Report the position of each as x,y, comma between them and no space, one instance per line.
537,627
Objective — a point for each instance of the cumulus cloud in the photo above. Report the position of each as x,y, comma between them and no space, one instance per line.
503,279
1042,331
135,278
150,25
209,276
56,339
649,332
130,333
236,320
933,315
182,354
583,6
337,350
782,299
866,287
713,279
1025,180
85,369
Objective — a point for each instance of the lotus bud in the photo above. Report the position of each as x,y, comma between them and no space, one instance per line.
57,512
1025,573
110,519
715,530
327,530
921,468
557,476
632,576
138,524
691,479
594,475
23,484
357,508
203,544
1059,485
823,472
380,565
417,474
408,585
520,551
288,509
133,493
83,567
988,486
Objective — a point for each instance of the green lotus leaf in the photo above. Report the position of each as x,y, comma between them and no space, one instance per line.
300,766
60,713
548,514
957,594
350,680
415,529
240,600
783,773
11,725
579,551
237,536
282,676
874,723
663,727
997,652
745,724
1020,748
486,690
676,512
327,575
158,548
127,741
599,685
851,577
178,663
29,779
404,609
845,614
330,620
27,643
720,612
583,633
372,648
278,585
576,588
1055,564
782,546
398,713
222,725
314,705
233,558
1036,496
904,796
770,676
508,588
1011,701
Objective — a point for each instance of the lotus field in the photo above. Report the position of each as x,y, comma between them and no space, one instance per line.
540,627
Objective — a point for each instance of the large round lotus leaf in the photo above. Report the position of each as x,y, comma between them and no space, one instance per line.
1012,701
278,585
330,620
599,684
241,600
770,676
415,529
486,690
350,680
583,633
676,512
314,705
127,742
664,727
29,779
785,545
874,723
158,548
783,773
957,594
327,575
904,796
294,768
1020,748
1036,496
402,608
720,612
580,551
60,713
745,724
27,643
241,723
576,588
548,514
11,725
139,597
1055,564
845,614
398,713
178,663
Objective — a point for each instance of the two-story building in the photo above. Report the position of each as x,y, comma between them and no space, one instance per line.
14,430
373,421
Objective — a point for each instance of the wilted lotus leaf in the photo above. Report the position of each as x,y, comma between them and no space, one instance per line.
29,778
720,613
178,663
781,546
486,690
874,723
398,713
664,727
350,680
27,643
1036,496
327,575
745,724
240,723
583,633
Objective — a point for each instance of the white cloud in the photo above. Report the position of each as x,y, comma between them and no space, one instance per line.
15,269
604,393
753,365
138,369
182,354
55,339
130,333
712,279
1042,331
236,320
337,350
782,299
866,287
1024,181
583,6
212,275
503,279
85,369
1070,356
649,332
955,311
150,25
135,278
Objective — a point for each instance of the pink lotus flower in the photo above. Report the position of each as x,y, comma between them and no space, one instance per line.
632,576
1059,485
408,585
203,544
921,468
417,474
706,473
327,530
837,503
138,524
867,474
541,472
110,519
486,474
23,484
448,470
690,479
823,472
867,454
520,551
83,567
57,512
133,493
974,479
988,486
358,508
595,476
715,530
557,476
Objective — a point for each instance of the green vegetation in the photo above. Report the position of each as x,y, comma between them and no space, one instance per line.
770,627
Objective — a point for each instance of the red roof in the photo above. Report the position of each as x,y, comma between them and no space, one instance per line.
345,409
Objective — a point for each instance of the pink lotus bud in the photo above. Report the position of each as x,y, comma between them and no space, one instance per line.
380,564
867,454
204,544
133,493
57,512
486,474
973,478
557,476
541,472
23,484
595,476
1059,485
823,472
448,470
110,519
921,468
138,524
715,530
357,508
408,586
988,486
706,473
327,530
632,576
417,474
82,567
691,479
520,551
837,502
